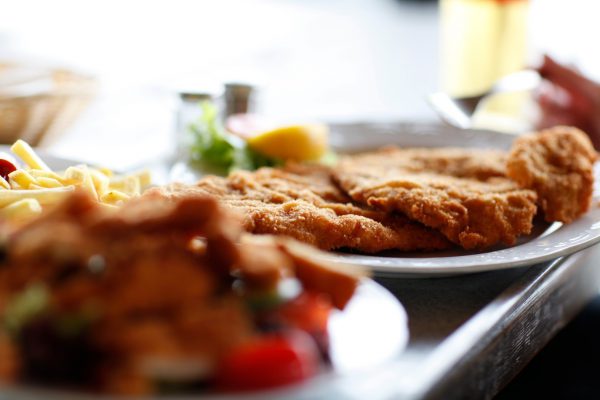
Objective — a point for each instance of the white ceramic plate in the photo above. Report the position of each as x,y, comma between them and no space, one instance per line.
547,242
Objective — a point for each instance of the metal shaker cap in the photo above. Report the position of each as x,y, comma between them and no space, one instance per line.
239,98
195,96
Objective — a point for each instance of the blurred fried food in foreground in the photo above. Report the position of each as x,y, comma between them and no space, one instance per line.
156,291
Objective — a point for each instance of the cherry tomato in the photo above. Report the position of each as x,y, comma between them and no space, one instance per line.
6,167
269,361
308,312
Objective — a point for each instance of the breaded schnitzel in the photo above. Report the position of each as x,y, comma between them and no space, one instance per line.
480,164
302,202
558,164
416,198
460,192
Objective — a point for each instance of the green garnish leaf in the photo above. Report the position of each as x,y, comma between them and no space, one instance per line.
33,301
213,147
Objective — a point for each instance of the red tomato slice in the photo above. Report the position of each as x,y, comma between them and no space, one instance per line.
270,361
308,312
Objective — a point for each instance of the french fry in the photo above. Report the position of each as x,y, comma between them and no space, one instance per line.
22,178
48,182
26,153
114,197
22,209
4,183
144,177
27,191
40,173
128,184
43,196
81,177
101,182
74,175
106,172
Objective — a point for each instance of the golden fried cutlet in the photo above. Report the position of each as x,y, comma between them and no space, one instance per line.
480,164
302,202
558,164
460,192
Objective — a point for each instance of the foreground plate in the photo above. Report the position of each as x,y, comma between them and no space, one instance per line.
548,241
361,342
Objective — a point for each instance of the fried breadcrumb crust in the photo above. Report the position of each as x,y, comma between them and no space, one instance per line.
158,299
302,202
558,164
460,192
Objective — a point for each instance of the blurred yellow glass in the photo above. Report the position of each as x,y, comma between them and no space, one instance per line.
481,41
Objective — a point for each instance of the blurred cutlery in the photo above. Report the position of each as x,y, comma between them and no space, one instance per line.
458,111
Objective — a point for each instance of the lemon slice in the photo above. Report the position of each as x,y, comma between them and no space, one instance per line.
293,142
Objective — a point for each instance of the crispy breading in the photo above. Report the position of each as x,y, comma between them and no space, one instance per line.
460,192
459,162
150,237
133,266
154,301
558,164
339,280
302,202
148,234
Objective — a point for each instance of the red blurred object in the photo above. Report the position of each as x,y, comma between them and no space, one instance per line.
569,98
308,312
6,167
247,125
268,362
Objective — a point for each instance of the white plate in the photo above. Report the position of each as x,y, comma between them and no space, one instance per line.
547,242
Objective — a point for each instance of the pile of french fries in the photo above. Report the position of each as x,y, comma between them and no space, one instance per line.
30,189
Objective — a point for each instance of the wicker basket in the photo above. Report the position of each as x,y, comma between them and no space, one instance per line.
39,111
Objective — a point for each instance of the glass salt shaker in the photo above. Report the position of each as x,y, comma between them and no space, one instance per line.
188,111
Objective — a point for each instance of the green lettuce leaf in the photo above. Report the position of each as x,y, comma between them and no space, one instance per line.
216,149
